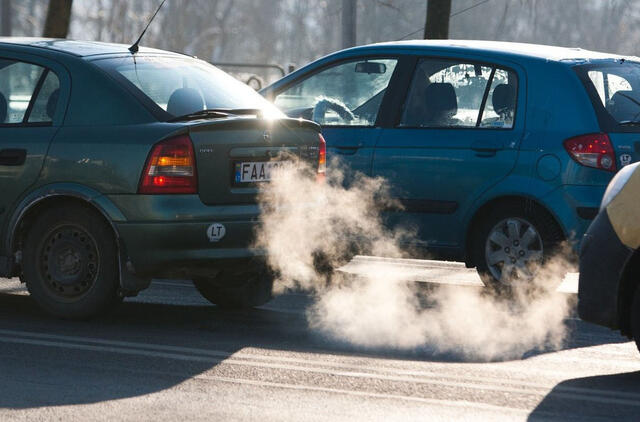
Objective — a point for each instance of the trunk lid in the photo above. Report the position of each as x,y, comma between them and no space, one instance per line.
223,146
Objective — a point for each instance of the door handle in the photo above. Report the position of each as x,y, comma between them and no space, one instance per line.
347,150
13,157
487,148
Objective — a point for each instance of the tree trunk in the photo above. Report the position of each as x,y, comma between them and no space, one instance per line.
348,23
438,12
5,25
58,18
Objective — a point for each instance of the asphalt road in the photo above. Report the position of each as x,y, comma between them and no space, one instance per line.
168,355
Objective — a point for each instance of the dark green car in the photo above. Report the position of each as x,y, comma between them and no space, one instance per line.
116,168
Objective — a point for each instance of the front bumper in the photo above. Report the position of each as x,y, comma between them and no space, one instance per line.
603,258
166,235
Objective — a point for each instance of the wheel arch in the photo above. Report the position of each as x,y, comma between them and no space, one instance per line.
49,196
528,204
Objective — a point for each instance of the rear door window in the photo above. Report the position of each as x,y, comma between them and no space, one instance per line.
25,92
450,94
46,101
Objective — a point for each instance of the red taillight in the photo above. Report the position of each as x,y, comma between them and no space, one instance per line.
322,159
594,150
170,168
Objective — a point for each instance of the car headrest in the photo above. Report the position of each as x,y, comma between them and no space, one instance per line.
184,101
52,103
441,102
624,106
3,108
504,99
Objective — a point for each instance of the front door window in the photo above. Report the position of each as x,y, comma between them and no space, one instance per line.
347,94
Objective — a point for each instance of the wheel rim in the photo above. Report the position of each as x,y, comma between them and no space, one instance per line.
69,262
513,250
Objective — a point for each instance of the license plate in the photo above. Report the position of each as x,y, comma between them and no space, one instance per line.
252,172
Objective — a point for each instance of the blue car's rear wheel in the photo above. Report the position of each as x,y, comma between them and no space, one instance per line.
513,249
512,243
70,262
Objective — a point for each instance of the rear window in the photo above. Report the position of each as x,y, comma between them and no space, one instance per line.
615,90
181,86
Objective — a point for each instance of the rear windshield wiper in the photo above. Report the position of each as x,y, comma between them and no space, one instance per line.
217,113
202,114
240,111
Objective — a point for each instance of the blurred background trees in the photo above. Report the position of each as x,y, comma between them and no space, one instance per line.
297,31
56,25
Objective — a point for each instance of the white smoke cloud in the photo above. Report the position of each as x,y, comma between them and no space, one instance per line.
303,219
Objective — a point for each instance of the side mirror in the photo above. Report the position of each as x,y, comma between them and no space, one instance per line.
371,67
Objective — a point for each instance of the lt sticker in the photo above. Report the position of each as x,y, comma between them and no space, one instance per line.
215,232
625,160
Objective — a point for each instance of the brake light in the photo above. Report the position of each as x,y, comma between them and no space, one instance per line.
322,159
593,150
170,168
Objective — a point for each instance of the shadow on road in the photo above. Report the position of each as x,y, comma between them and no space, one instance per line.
143,348
607,397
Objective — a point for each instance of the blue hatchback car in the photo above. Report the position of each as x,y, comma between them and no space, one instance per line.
498,151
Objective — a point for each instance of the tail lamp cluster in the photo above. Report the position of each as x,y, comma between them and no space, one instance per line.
594,150
170,168
322,159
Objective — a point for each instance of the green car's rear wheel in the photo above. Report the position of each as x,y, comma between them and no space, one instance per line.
70,262
234,288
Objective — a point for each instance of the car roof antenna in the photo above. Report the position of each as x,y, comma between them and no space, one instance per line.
134,48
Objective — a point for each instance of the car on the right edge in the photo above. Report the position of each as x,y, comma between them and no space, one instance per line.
608,292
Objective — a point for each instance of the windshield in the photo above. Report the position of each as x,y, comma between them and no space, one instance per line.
182,86
618,89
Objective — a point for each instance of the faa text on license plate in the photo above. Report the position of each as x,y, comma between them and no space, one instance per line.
251,172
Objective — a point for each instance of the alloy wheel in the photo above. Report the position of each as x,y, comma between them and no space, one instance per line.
513,250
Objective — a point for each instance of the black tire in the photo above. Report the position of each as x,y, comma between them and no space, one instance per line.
635,318
545,245
83,280
237,288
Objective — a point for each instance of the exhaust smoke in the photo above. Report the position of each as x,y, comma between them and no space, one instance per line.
304,220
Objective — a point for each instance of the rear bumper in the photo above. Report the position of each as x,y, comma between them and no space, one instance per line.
603,258
575,207
183,250
166,235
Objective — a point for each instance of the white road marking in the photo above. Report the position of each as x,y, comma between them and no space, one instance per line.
212,356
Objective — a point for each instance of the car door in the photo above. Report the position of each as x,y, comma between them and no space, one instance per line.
344,97
456,135
31,96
